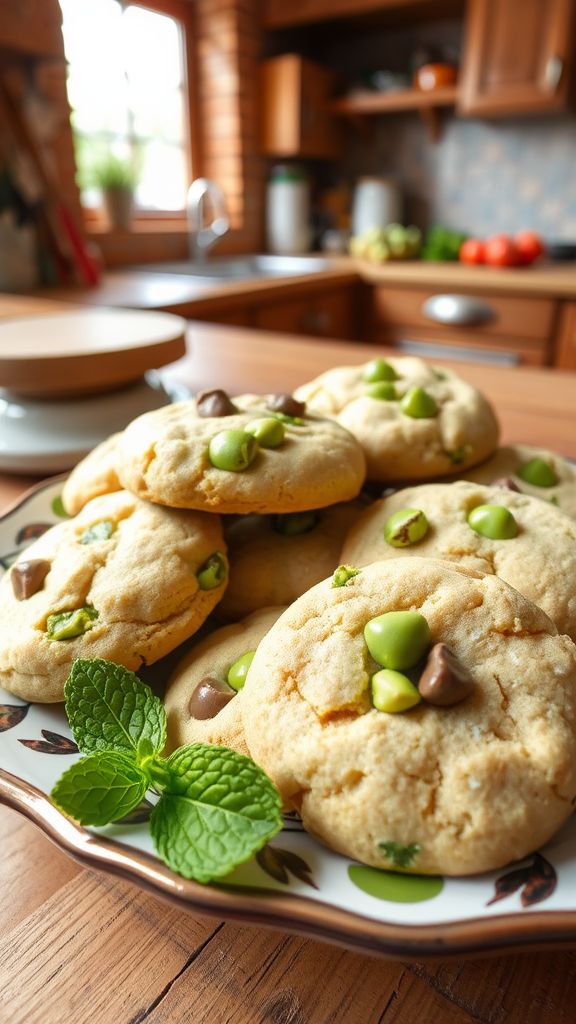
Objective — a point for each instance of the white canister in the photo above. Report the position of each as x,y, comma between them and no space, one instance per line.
376,203
288,211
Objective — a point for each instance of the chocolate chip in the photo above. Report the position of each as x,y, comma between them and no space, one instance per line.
506,481
445,680
28,577
287,404
209,697
214,403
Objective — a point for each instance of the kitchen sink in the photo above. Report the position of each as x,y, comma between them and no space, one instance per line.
239,268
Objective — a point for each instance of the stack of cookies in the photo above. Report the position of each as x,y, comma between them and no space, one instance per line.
403,668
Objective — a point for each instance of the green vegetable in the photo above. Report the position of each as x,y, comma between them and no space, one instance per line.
216,807
67,625
405,527
109,708
343,574
232,450
384,390
239,670
419,404
397,640
101,530
213,572
493,521
379,370
292,524
442,244
268,431
393,692
401,856
538,472
221,808
100,788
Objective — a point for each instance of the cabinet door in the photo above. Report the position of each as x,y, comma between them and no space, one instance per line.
516,56
296,119
565,355
326,315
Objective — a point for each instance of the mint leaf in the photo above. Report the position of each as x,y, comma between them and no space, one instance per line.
100,788
109,708
218,810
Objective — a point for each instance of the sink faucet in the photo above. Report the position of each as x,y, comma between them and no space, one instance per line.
202,236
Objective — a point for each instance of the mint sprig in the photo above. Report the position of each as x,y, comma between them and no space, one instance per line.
109,708
216,808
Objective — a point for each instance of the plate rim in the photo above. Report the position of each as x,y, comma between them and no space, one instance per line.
292,912
288,911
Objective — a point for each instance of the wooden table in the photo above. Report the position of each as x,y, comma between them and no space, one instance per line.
82,948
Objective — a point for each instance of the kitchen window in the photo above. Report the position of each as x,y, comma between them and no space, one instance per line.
128,90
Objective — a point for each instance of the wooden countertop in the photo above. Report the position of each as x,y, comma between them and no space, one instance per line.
82,947
180,294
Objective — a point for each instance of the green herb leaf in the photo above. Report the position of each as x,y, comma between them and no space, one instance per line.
401,856
100,788
109,708
220,809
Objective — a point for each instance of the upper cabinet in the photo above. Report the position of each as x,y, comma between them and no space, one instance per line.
516,57
296,117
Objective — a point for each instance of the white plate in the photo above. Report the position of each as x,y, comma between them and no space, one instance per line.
295,884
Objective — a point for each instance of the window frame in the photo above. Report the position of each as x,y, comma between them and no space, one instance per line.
169,220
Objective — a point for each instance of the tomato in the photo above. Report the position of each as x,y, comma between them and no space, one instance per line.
472,251
529,246
501,251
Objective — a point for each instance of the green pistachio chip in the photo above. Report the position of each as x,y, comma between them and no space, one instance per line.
493,521
393,692
239,670
397,640
419,404
383,390
401,856
67,625
378,369
405,527
232,450
268,431
538,472
101,530
343,575
294,421
212,572
291,524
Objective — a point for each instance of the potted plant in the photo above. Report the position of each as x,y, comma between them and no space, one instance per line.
116,178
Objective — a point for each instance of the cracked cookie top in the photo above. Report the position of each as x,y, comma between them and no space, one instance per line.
413,421
123,580
466,788
538,558
254,459
536,471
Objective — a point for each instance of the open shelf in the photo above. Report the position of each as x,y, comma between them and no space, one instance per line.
388,102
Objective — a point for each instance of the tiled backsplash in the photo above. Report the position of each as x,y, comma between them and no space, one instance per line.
482,176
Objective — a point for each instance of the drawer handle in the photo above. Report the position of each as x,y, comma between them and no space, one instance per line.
466,310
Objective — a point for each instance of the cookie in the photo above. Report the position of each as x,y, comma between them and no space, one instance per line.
535,551
200,705
450,789
413,421
93,476
241,461
274,559
124,580
536,471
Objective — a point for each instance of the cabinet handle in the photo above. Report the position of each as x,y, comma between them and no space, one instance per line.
464,310
553,73
429,350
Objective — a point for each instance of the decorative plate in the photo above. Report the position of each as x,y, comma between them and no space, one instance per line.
293,884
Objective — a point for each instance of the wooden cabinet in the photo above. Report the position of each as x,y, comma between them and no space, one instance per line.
565,356
296,118
325,314
497,329
516,56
